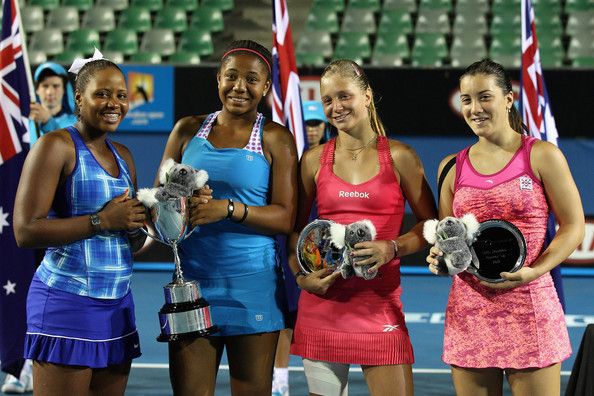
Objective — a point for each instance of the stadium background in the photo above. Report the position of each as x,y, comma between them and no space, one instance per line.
412,50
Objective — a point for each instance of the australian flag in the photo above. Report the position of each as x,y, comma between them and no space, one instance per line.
286,107
16,265
536,109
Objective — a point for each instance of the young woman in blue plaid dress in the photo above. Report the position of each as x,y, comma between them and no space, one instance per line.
76,198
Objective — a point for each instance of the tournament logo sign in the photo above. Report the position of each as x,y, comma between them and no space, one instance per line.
150,91
141,89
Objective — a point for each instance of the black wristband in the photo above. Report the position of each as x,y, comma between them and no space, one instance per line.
230,209
244,215
297,275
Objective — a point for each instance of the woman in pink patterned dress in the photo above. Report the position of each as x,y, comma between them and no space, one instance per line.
516,327
360,174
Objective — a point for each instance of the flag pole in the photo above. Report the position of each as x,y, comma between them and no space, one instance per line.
286,107
25,53
536,111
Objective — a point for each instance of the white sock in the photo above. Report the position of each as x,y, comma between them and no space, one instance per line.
281,375
27,367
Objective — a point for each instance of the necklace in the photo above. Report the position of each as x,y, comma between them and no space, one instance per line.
357,150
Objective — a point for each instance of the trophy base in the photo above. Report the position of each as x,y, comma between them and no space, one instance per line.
187,336
185,320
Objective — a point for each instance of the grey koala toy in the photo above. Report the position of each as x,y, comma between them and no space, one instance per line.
178,180
454,238
345,237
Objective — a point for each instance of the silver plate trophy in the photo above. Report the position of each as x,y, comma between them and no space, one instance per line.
499,247
185,314
314,250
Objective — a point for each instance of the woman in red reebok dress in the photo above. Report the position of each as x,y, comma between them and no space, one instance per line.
358,175
514,328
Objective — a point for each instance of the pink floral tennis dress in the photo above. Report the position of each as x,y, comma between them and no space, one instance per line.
512,328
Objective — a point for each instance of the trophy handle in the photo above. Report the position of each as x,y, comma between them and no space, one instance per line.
154,237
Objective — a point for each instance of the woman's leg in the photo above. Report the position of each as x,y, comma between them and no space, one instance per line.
535,381
280,379
193,365
111,380
326,378
389,380
478,382
51,379
251,360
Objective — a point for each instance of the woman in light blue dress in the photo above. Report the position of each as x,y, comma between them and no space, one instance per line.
251,196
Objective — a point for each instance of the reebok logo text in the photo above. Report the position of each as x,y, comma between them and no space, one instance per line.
353,194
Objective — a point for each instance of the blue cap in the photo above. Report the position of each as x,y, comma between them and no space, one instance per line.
313,110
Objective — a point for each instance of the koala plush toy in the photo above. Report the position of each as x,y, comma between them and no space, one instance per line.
454,236
345,237
178,180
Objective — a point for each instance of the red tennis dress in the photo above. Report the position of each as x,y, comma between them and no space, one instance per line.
357,321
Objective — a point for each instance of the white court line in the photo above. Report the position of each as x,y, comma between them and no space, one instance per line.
300,368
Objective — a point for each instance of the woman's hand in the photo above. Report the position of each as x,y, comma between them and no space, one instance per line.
123,213
204,209
514,279
381,252
318,282
433,261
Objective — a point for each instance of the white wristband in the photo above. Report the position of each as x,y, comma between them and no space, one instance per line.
395,248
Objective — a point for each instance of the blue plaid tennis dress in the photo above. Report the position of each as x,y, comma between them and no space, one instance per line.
80,310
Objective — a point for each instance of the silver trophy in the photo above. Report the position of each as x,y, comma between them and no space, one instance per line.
185,314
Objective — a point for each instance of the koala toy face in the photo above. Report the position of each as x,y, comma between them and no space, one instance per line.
357,232
178,180
453,237
450,227
345,238
184,175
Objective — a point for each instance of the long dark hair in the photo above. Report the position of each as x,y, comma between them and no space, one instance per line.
503,81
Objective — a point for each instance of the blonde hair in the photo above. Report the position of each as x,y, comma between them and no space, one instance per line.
348,69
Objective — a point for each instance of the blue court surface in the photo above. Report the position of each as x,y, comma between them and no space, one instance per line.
424,298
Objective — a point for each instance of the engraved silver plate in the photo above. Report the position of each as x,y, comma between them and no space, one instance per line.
499,247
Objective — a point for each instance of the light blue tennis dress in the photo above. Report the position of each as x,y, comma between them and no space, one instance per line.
238,268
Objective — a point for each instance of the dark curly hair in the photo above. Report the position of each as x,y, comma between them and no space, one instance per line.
85,74
249,47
